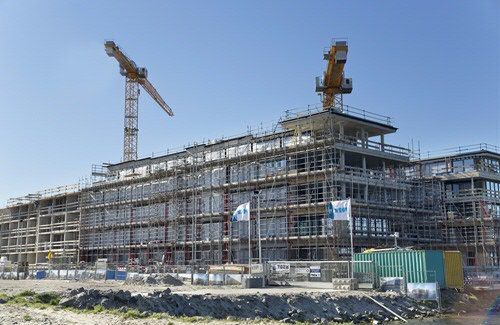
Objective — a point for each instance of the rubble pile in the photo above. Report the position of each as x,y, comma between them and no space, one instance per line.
471,301
158,279
290,308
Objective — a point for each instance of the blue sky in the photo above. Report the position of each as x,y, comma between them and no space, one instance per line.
433,66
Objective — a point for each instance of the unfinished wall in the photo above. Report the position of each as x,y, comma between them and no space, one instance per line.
31,226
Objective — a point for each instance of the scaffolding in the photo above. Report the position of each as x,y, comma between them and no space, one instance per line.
176,208
470,191
35,224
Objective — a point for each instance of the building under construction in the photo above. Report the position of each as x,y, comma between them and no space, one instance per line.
176,208
37,226
470,186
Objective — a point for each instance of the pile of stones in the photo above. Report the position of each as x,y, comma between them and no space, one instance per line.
289,308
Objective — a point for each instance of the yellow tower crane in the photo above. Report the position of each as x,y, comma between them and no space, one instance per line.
134,76
333,84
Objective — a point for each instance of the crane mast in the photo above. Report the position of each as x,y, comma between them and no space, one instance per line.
333,85
134,76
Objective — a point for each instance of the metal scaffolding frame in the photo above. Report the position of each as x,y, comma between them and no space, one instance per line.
470,205
176,208
33,225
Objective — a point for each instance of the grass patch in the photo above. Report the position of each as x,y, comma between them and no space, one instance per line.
133,313
129,314
98,309
26,293
191,319
47,298
29,298
160,316
15,300
27,318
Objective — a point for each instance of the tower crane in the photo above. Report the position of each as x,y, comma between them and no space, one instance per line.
333,84
134,76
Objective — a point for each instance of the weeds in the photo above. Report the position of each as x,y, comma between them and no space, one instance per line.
98,309
133,313
192,319
47,298
26,293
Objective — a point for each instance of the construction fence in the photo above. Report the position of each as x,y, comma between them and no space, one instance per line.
482,276
367,274
322,271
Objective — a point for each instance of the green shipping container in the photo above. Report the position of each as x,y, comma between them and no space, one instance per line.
415,266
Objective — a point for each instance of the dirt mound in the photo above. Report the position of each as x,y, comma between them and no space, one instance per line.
158,279
162,279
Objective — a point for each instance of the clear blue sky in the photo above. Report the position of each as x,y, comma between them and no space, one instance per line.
433,66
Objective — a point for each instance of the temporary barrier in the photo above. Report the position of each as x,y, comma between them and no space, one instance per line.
41,275
110,275
121,275
309,272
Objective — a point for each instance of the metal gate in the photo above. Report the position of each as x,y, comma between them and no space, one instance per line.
315,273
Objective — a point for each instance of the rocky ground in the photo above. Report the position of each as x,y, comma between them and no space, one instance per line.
168,301
471,301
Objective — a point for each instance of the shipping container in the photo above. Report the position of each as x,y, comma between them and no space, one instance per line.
454,269
414,266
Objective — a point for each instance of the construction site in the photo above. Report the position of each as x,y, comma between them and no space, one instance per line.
250,162
317,217
176,208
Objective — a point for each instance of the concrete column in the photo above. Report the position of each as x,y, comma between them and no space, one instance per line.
363,160
341,130
364,143
382,142
474,206
384,174
342,166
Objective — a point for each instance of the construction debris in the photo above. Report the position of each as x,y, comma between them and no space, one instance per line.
158,279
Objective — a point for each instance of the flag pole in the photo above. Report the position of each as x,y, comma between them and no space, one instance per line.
249,242
258,227
352,240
